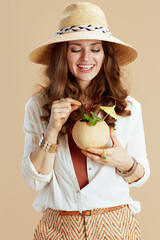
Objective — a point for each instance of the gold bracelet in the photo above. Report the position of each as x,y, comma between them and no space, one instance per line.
46,146
130,171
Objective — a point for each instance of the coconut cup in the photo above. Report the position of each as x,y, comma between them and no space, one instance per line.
87,136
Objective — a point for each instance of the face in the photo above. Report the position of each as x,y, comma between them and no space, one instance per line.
85,58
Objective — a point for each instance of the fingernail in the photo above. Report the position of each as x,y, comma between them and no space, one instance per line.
88,149
79,103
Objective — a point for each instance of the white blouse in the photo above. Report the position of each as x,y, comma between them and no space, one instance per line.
60,189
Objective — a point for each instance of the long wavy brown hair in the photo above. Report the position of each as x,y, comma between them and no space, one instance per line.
106,89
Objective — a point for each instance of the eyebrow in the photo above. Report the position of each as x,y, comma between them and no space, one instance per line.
79,44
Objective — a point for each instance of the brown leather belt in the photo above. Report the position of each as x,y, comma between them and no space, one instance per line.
91,212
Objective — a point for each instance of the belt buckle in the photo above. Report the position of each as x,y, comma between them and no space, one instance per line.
86,213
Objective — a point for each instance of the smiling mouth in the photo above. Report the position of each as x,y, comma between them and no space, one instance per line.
86,67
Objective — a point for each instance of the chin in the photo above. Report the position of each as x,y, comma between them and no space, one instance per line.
86,79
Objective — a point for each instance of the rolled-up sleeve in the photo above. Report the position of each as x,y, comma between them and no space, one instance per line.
136,147
33,129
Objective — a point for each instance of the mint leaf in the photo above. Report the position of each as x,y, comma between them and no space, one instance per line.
93,121
94,115
88,117
97,119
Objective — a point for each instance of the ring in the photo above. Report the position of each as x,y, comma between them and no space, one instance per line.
104,154
61,100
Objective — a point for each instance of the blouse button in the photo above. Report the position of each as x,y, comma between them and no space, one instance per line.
90,168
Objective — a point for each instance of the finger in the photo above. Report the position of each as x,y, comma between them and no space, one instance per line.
74,108
60,115
71,106
60,106
116,142
69,100
55,101
95,158
99,151
72,101
66,103
61,110
92,156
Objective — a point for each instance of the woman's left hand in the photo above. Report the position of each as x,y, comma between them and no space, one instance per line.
116,155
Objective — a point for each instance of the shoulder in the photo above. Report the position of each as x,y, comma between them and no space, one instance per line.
33,113
133,105
35,102
126,124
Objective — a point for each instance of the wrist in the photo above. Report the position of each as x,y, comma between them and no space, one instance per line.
51,135
129,166
47,146
130,171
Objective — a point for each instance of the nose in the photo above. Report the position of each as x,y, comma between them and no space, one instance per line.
85,55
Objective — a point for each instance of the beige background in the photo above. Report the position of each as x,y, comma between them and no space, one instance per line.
26,24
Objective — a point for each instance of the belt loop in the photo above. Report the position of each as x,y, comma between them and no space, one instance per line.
86,213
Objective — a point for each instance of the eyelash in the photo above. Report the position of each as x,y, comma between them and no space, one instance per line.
80,50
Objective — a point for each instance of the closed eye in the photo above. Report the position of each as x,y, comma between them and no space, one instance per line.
76,50
95,50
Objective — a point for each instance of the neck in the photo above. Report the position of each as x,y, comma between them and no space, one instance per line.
83,86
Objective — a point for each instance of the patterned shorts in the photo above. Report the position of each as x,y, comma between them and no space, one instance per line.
116,225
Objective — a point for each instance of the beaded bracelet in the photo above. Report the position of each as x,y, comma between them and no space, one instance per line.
130,171
46,146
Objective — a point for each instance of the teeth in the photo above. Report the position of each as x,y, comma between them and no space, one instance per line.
86,66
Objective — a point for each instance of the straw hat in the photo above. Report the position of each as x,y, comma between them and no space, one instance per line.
83,20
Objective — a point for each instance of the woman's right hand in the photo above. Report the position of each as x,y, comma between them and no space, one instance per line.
60,112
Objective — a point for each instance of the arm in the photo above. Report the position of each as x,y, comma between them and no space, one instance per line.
136,147
33,130
38,165
44,161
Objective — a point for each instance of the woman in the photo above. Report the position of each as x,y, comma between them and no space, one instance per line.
84,194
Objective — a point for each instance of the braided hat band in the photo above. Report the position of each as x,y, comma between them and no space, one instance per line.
83,21
83,28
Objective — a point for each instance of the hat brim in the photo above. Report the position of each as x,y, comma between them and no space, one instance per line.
124,52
